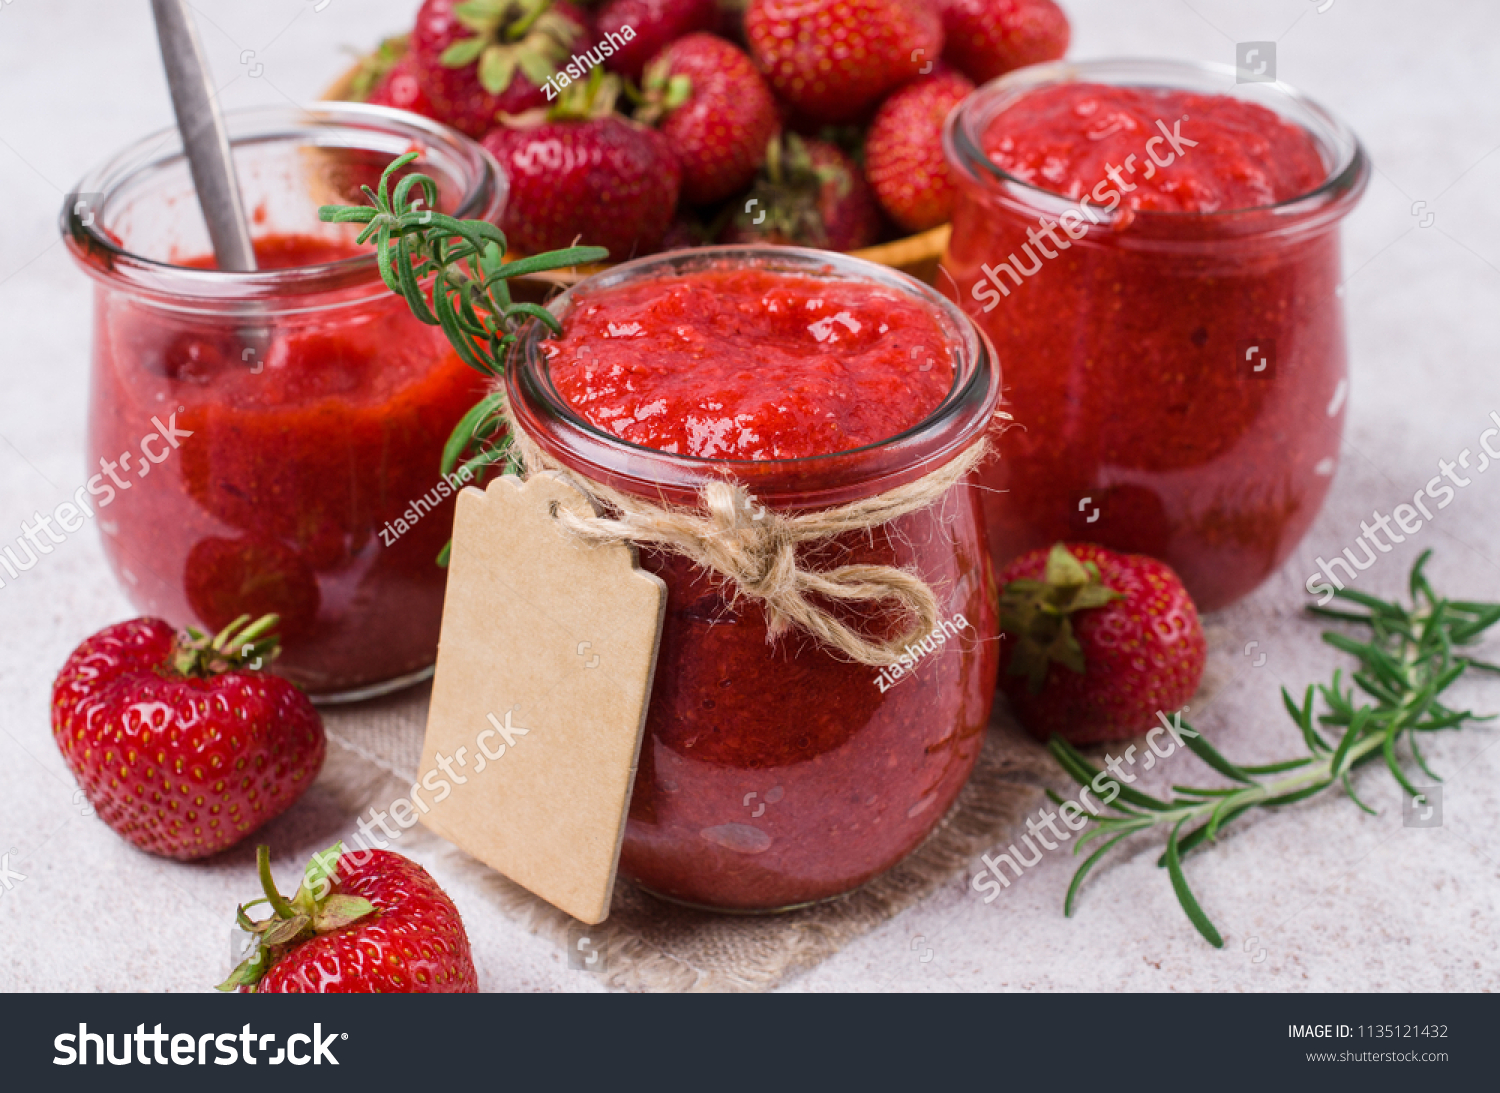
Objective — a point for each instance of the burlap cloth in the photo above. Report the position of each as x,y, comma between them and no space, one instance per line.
652,945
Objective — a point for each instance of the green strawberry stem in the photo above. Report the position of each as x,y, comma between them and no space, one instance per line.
509,35
279,906
661,92
241,644
313,911
1036,614
1404,667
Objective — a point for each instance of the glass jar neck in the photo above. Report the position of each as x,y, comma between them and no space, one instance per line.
134,219
1186,232
815,482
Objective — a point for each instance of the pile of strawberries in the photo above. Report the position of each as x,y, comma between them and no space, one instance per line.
644,125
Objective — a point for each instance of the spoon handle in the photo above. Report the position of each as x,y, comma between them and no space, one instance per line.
203,136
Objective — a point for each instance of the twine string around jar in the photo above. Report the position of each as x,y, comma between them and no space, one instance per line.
754,549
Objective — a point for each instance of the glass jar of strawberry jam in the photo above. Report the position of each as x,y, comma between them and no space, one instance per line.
270,441
1154,251
779,772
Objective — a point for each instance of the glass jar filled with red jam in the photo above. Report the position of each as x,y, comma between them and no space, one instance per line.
270,441
779,772
1154,251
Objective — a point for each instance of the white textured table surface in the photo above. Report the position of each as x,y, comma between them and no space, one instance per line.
1318,896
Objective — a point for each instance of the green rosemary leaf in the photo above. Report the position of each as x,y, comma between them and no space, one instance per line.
1303,716
1349,789
500,453
1447,721
1376,605
1185,895
1416,753
1083,871
1448,678
541,314
1375,689
1388,749
1418,582
1368,652
1071,760
1355,731
1206,751
1220,815
1199,834
1342,616
467,429
1193,791
1106,827
561,259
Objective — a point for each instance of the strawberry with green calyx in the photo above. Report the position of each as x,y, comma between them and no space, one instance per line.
180,743
716,112
374,67
478,59
638,30
810,194
1096,643
380,925
580,172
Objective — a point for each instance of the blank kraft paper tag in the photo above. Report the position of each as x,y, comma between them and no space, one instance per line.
539,701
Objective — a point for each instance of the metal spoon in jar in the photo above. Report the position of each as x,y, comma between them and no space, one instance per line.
204,138
206,144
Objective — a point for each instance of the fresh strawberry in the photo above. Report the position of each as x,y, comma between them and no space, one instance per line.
810,194
388,77
178,745
835,59
904,159
400,88
478,59
362,922
582,172
715,111
638,30
988,38
1121,629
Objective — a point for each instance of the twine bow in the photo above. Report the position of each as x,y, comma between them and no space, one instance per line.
755,550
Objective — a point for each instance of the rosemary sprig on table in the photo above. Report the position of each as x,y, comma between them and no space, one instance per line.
1404,667
452,273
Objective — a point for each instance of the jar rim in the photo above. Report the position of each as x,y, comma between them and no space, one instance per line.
814,481
1347,174
484,186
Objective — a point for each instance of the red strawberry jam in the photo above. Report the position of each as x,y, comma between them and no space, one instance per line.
748,364
304,479
1172,337
776,772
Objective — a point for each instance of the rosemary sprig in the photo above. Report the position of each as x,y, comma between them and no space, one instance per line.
453,273
1404,667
